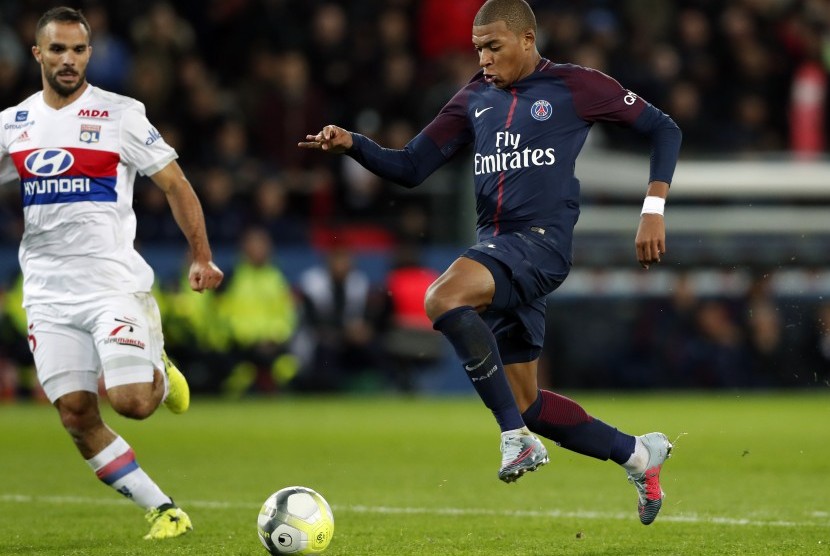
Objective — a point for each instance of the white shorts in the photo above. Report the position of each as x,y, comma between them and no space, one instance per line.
73,344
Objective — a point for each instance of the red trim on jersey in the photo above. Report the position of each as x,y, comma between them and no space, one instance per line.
498,204
88,162
501,175
512,108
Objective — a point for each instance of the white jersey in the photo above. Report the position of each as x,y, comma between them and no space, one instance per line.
77,166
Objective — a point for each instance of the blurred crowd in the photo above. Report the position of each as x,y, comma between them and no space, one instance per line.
336,329
738,331
233,85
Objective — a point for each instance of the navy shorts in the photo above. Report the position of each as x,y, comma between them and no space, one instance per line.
526,266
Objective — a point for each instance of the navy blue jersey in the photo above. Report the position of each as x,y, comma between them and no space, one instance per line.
526,140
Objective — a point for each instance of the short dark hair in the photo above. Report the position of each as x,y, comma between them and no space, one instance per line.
62,14
517,14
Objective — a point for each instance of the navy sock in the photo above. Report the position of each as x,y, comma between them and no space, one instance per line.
623,447
566,423
476,347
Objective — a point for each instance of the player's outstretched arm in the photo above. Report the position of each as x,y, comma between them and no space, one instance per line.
187,210
331,138
651,233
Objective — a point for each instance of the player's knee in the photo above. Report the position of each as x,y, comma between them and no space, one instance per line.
78,414
430,303
437,301
525,396
133,406
137,409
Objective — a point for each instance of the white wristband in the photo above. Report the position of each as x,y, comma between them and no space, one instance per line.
653,205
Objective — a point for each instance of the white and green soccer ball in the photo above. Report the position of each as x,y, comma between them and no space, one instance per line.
295,520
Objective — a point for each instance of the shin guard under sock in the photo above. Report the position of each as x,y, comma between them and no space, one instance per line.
476,347
115,466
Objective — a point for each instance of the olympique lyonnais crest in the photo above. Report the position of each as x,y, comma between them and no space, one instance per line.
541,110
90,133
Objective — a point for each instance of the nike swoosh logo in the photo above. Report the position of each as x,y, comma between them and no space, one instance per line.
482,111
474,367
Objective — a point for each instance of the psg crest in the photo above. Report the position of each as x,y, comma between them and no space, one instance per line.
541,110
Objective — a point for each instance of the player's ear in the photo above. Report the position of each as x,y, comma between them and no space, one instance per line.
36,53
529,39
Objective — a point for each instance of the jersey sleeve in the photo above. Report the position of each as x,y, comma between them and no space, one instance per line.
8,171
450,130
4,136
427,152
142,145
600,98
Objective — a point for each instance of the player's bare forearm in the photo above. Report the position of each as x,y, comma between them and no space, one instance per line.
331,139
187,211
658,189
186,208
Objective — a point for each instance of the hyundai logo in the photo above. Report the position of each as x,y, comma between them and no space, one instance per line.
49,162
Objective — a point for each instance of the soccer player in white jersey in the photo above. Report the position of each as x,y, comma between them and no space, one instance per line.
76,150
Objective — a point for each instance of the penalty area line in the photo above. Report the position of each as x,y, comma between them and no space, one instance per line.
389,510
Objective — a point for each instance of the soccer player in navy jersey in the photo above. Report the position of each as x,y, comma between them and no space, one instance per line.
527,119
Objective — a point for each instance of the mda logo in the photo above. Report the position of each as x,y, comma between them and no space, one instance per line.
49,162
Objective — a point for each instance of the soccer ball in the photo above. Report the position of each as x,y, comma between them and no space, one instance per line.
295,520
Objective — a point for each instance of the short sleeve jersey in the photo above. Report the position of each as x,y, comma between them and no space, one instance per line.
77,167
527,138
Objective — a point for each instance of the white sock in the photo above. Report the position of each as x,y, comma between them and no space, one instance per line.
639,459
116,466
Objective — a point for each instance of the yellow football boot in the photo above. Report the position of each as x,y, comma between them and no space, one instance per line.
167,522
178,395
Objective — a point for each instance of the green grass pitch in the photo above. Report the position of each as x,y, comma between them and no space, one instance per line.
750,474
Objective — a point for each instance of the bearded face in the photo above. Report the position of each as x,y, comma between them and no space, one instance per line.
63,52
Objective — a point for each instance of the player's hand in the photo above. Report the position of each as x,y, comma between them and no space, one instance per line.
651,239
204,276
331,139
